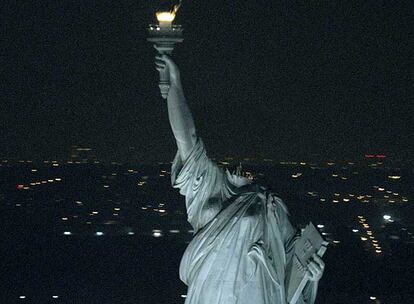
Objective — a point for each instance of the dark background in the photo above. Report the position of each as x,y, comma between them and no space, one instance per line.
281,79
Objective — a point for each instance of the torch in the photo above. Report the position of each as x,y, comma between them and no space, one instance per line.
164,36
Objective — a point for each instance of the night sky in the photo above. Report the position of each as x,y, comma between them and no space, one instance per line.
282,79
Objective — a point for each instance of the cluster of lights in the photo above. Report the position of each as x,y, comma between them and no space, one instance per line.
53,162
159,28
363,198
369,235
36,183
141,183
159,233
337,176
381,156
155,232
24,297
324,233
291,163
93,213
159,209
392,196
85,161
164,173
337,197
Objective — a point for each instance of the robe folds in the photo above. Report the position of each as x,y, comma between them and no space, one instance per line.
243,239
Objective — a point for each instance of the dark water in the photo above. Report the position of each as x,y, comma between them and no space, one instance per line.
37,261
145,270
121,270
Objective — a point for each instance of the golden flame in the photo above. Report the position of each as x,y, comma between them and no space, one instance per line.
168,16
165,16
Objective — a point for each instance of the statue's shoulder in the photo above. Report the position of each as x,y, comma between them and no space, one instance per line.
273,198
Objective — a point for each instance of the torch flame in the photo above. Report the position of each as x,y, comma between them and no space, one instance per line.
168,16
176,7
165,16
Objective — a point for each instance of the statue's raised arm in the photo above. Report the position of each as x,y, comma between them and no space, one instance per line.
204,184
181,120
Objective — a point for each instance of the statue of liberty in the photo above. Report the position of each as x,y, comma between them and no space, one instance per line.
243,239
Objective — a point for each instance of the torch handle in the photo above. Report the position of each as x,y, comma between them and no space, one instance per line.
164,83
164,39
165,47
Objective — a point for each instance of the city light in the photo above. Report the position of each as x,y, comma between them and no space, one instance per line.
387,217
156,233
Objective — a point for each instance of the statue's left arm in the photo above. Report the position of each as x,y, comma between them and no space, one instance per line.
316,266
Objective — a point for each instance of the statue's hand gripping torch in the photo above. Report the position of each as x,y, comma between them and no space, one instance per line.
165,35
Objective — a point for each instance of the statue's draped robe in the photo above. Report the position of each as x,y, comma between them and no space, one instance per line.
243,239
